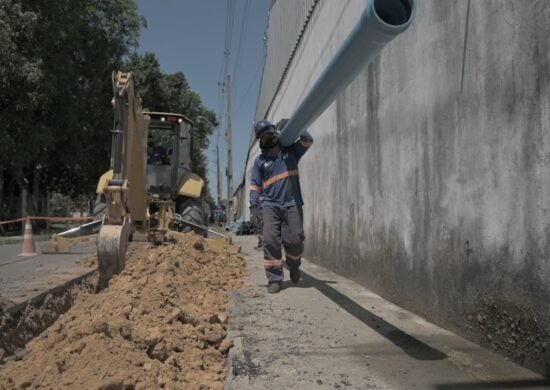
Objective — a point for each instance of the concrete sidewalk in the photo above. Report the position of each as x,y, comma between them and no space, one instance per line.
328,332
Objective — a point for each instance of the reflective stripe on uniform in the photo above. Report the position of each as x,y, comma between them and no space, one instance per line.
293,257
273,263
280,176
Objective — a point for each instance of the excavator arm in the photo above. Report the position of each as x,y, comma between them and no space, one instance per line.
125,192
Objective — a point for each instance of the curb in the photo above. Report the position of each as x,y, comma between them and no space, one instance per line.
235,353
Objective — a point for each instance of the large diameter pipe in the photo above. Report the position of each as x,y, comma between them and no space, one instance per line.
380,22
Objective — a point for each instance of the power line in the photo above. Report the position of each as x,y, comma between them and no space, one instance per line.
229,24
224,45
229,20
249,88
244,26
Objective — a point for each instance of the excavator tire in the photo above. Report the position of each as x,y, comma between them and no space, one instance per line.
99,207
191,210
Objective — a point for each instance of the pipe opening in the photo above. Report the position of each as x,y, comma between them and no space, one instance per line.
393,12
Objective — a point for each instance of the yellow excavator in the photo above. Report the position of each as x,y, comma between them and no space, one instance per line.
150,190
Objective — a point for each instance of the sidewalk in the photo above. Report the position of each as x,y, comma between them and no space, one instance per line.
328,332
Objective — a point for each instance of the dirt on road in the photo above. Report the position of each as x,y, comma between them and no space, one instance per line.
160,324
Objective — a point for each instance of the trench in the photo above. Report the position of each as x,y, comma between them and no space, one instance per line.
20,323
160,323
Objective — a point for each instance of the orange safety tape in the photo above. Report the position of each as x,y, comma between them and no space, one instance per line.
64,218
58,219
12,221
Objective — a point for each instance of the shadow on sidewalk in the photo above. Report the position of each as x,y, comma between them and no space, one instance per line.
408,344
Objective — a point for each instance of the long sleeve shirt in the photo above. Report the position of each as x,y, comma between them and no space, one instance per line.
277,177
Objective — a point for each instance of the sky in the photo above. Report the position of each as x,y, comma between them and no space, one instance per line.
190,36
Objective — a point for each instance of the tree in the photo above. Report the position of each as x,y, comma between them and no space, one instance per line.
55,108
171,93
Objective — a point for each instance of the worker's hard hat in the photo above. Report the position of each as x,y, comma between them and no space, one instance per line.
262,127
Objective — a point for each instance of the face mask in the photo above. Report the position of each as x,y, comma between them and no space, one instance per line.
269,142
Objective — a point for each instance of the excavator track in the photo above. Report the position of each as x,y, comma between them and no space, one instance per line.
111,252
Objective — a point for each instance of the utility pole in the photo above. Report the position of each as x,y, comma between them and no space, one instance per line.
229,172
218,176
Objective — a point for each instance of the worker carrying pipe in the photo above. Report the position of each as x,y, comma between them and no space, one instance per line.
275,177
275,171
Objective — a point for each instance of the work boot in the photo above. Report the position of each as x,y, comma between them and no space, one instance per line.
295,275
274,287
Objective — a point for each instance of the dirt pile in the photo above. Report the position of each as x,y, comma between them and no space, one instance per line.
160,324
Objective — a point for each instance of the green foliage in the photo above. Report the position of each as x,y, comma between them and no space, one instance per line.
56,58
171,93
20,75
63,205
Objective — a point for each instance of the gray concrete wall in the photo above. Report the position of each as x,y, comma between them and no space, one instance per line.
429,178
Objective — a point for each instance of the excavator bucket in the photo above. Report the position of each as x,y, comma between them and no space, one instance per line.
111,252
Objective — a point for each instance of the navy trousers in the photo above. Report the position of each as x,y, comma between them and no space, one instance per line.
282,228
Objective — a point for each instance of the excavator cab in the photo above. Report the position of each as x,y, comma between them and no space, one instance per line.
171,185
169,149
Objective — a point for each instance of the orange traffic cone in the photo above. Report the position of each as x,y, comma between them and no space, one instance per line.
28,240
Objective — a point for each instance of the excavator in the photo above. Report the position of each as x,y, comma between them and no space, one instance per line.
151,189
149,194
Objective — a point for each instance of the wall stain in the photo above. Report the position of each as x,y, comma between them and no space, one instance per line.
486,282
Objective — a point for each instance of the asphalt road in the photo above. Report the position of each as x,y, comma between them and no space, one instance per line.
22,278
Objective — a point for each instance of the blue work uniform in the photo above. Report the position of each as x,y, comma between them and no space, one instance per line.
277,179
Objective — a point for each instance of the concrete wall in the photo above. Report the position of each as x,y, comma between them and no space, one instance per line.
429,178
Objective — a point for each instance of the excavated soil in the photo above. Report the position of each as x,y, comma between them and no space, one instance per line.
160,324
4,304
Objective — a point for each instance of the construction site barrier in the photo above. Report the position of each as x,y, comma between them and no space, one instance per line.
51,219
28,241
29,248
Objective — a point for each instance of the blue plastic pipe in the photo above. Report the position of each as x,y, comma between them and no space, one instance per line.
380,22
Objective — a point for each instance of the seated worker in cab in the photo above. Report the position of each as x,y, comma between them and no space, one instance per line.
156,154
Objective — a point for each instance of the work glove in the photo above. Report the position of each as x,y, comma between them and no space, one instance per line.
279,126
